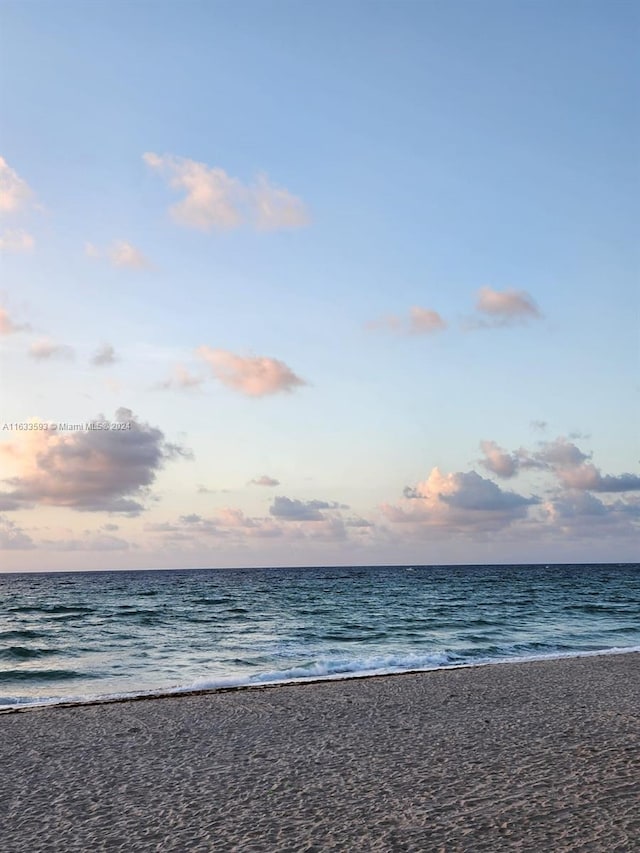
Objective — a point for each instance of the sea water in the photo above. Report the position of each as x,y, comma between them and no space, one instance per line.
85,635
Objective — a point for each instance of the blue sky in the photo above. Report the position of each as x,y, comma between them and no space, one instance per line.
336,245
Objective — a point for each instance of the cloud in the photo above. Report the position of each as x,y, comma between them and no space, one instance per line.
17,241
289,509
583,515
255,376
13,537
89,542
570,465
15,193
45,349
358,521
421,321
462,501
104,355
574,469
505,464
8,326
188,528
123,254
215,200
425,321
539,426
120,253
503,308
586,477
498,461
561,454
92,470
181,379
264,480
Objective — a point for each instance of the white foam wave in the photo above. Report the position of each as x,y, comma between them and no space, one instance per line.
321,670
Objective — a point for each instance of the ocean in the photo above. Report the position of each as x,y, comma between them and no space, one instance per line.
81,636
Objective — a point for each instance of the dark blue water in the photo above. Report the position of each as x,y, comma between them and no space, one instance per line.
90,634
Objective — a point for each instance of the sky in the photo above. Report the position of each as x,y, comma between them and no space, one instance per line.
318,283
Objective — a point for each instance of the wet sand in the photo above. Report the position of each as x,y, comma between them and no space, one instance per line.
539,756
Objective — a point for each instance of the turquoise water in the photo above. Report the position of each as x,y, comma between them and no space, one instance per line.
92,634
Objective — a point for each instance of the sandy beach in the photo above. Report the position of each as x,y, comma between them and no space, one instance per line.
538,756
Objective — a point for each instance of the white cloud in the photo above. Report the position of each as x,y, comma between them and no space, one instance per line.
215,200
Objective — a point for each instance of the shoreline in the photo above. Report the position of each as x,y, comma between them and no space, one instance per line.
177,692
537,755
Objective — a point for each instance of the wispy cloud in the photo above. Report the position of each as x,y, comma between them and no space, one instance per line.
420,321
15,194
13,537
17,240
9,326
264,480
181,380
104,355
46,349
120,253
255,376
215,200
291,509
89,541
502,308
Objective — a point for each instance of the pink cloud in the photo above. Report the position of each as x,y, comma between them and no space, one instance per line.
182,380
462,501
264,480
121,253
93,470
46,349
15,193
425,321
504,308
421,321
8,326
215,200
255,376
17,241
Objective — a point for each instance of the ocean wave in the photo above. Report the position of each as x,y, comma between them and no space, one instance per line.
20,653
23,634
43,675
317,671
79,609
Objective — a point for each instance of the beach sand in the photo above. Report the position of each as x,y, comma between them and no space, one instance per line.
541,756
